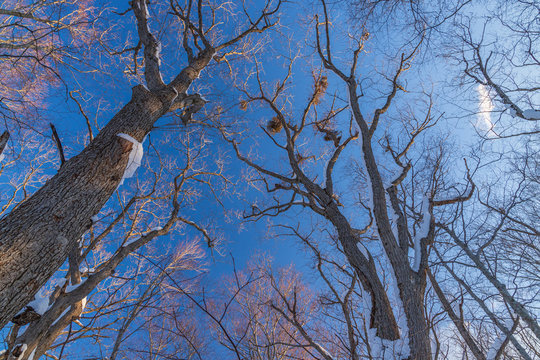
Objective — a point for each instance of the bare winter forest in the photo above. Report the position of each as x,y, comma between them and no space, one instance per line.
269,179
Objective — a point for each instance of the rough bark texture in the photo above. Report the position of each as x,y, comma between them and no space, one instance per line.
382,317
3,141
412,297
35,238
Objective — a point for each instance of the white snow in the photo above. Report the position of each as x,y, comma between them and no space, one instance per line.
497,343
40,303
494,348
146,12
135,156
382,349
158,53
60,316
132,240
1,157
531,114
326,353
23,349
70,288
83,303
387,349
94,219
31,357
393,217
421,233
363,249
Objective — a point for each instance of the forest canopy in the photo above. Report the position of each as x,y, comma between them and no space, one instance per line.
269,179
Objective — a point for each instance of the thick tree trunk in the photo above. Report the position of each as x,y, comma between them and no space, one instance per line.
382,317
411,284
412,297
3,141
36,237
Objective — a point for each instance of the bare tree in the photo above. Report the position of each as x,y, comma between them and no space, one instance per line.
37,40
398,211
499,58
37,236
74,298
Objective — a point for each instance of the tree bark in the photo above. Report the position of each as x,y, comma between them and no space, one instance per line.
412,297
3,141
36,237
382,318
411,284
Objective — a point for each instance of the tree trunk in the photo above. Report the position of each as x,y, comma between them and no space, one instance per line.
35,237
458,323
382,317
3,141
412,297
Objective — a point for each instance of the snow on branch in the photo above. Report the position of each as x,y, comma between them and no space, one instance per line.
134,239
3,142
40,304
531,114
135,156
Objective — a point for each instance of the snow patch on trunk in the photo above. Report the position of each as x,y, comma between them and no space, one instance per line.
70,288
40,304
132,240
31,357
363,249
382,349
393,217
498,342
60,316
326,353
23,350
494,348
135,156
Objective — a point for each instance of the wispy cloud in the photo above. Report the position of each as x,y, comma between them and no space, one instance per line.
485,107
